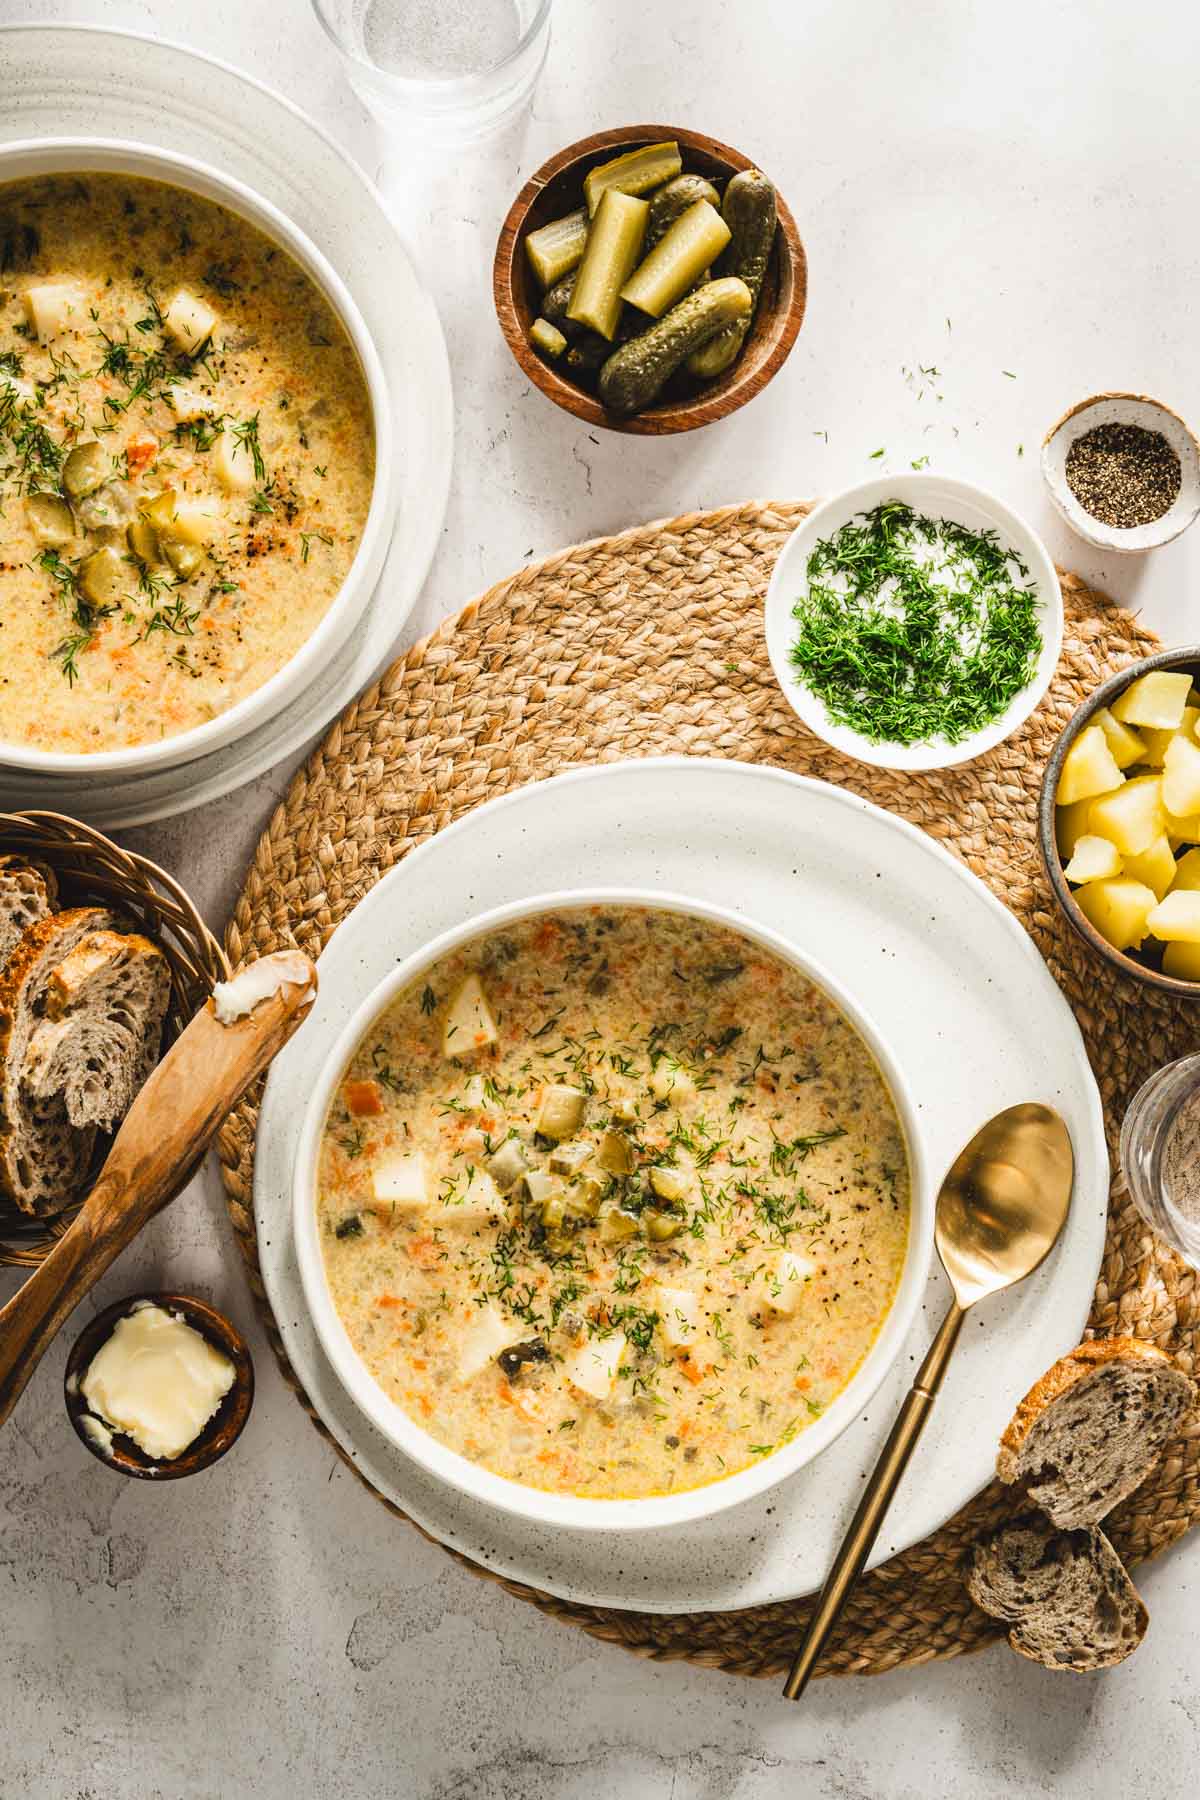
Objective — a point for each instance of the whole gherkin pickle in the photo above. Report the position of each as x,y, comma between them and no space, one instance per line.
634,375
750,213
666,204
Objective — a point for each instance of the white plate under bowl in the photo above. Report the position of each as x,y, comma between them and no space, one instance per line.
940,497
573,1510
966,1004
59,81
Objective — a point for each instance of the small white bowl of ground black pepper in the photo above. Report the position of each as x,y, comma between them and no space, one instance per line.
1124,472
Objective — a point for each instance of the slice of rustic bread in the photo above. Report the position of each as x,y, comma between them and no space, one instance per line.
1066,1595
43,1157
102,1028
1090,1431
28,893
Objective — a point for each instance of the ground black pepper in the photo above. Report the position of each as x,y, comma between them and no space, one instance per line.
1123,475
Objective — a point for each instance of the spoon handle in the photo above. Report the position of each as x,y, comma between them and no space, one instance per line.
872,1508
171,1123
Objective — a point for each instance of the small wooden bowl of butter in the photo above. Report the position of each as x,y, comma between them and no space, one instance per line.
159,1386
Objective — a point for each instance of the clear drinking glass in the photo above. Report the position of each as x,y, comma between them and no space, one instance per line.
440,70
1160,1155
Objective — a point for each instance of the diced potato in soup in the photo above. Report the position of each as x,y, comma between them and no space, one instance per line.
633,1213
186,461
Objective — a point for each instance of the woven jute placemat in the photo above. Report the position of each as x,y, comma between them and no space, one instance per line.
647,643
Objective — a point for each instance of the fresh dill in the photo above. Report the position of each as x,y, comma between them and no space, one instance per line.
914,628
308,537
246,434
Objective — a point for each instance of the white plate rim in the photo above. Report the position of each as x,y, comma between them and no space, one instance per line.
117,803
273,1215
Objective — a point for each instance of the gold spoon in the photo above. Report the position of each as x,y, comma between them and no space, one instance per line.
999,1214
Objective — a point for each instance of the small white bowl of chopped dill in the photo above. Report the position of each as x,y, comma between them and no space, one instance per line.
914,621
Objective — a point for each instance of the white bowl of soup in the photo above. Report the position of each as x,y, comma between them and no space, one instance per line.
611,1210
195,458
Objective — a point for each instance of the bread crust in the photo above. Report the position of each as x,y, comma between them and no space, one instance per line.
66,926
1069,1369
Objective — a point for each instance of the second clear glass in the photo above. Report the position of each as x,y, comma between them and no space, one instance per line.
444,71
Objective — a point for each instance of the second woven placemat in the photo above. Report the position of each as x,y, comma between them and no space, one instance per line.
649,643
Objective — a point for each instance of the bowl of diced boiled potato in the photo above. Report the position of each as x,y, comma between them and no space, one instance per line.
1120,821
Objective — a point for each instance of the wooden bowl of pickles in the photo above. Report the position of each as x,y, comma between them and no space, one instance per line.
650,279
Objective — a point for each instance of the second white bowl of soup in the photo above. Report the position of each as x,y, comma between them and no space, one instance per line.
612,1210
195,459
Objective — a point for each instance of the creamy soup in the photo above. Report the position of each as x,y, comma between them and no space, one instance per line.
186,460
613,1202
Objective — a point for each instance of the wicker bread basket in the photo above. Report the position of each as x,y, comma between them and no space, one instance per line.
92,869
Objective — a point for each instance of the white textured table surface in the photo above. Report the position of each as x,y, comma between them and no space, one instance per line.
982,189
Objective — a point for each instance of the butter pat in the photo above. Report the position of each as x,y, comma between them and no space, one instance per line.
157,1380
261,980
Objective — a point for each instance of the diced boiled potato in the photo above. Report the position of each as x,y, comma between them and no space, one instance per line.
782,1287
593,1367
233,461
1095,859
1132,817
1155,866
469,1025
1154,747
1088,768
1070,824
189,322
484,1337
188,403
1182,961
1127,746
54,308
472,1202
1177,918
197,521
1155,744
1118,909
670,1080
1183,831
1181,776
402,1182
679,1315
1157,700
1187,871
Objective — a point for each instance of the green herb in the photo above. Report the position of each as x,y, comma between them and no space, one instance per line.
913,628
247,434
875,454
306,538
355,1142
920,462
428,1000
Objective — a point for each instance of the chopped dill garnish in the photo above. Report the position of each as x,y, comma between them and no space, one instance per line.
914,628
247,434
306,539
